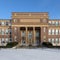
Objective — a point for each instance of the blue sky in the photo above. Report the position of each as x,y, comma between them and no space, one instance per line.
51,6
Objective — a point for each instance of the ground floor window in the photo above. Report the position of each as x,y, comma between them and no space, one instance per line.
57,41
54,40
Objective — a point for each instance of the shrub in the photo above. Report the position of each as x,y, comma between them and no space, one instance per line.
47,44
11,44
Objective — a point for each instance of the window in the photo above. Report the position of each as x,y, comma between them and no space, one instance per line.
59,22
15,28
2,31
30,35
23,34
6,31
10,40
59,32
53,22
56,23
56,31
0,23
2,40
7,23
53,31
15,38
15,20
10,31
52,40
49,31
7,40
44,29
57,41
49,40
49,22
3,23
37,33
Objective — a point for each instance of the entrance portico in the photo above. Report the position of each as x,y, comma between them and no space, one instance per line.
30,36
30,28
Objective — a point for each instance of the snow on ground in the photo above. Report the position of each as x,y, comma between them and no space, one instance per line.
30,54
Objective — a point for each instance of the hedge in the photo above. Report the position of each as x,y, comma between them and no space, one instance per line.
9,45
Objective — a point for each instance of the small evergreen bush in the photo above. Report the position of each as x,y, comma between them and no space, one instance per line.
47,44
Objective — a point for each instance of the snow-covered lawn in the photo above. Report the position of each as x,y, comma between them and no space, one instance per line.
29,54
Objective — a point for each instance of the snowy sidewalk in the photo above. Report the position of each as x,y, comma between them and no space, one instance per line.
29,54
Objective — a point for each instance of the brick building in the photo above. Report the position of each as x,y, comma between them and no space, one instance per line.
30,28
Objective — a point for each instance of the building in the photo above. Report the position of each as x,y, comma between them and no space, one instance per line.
5,31
30,28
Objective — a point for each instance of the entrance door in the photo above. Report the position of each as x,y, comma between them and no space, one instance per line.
30,35
38,35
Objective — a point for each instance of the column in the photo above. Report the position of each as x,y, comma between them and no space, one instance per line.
34,36
19,32
26,37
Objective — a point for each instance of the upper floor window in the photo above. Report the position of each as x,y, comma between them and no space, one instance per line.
56,23
7,23
53,22
50,22
15,29
59,22
44,29
15,20
2,23
53,31
49,31
57,31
